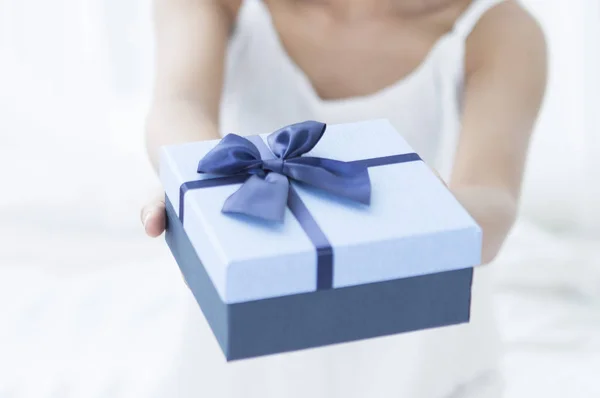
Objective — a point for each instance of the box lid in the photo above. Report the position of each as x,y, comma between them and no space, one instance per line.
413,226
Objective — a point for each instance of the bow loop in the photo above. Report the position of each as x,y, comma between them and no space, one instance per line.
295,140
339,178
264,194
233,155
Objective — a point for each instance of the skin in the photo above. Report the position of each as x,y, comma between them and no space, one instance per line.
383,41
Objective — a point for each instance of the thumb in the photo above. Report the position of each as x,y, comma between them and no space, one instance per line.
153,217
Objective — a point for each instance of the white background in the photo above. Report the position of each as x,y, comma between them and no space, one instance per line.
90,308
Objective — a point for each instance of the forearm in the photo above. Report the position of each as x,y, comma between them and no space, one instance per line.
173,121
191,39
505,85
495,211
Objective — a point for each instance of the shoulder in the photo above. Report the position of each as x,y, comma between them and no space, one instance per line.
506,35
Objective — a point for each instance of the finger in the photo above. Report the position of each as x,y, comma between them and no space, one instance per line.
154,218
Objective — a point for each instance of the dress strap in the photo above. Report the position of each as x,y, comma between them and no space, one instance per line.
468,20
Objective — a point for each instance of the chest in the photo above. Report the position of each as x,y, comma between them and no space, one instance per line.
280,72
348,58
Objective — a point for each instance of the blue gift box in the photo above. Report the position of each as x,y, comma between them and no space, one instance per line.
334,270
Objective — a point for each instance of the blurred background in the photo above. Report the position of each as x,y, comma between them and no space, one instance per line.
91,308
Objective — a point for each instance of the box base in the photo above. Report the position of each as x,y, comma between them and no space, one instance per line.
301,321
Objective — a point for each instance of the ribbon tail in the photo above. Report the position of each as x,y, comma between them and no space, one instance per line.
263,198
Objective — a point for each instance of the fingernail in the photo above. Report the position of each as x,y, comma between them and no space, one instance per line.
147,217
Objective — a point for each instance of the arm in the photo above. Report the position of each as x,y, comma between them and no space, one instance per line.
506,80
191,39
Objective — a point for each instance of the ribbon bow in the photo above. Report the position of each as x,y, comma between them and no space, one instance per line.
265,193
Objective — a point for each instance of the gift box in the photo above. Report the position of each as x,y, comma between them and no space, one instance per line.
316,235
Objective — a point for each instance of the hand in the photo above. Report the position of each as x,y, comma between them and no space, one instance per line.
153,216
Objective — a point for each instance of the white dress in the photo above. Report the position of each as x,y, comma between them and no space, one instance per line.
265,90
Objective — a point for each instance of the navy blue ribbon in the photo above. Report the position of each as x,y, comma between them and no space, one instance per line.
254,175
264,194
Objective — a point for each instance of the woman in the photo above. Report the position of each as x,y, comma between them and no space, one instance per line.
462,80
